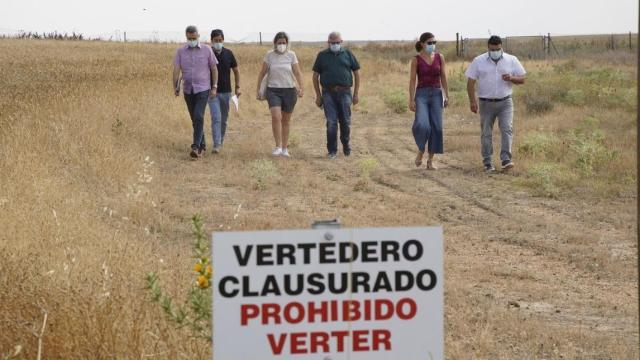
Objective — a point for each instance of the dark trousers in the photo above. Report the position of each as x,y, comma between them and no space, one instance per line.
197,103
337,110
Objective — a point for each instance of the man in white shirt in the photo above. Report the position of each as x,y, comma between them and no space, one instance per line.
495,72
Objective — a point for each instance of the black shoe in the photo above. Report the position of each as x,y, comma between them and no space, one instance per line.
194,154
489,168
507,164
347,152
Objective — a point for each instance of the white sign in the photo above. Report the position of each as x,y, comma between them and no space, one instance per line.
334,294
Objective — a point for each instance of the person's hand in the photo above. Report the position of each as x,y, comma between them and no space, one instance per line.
300,93
474,107
238,92
212,93
412,105
319,101
176,92
355,100
506,77
446,102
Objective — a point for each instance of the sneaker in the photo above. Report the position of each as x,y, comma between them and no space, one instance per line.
489,168
216,149
507,164
277,151
201,151
285,152
194,154
332,155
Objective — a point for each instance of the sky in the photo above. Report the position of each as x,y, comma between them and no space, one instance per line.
311,21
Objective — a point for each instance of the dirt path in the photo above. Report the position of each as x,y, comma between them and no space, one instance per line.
526,277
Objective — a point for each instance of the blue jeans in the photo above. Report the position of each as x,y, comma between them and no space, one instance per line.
219,108
196,104
337,110
427,126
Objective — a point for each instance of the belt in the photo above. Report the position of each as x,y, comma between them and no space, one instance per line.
495,100
334,88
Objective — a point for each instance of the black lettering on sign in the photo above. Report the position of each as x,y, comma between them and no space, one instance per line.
286,251
243,260
316,285
264,253
327,253
412,250
222,287
420,280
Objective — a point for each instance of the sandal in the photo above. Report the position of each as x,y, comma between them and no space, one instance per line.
430,165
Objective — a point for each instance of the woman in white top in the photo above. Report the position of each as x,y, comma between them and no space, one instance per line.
283,87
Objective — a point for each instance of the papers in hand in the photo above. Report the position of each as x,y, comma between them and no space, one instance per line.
234,100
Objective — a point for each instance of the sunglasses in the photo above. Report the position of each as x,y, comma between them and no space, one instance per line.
432,42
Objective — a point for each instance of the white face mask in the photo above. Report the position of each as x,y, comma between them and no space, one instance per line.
495,54
281,48
218,46
192,43
335,47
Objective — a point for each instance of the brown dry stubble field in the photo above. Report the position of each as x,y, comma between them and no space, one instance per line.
96,190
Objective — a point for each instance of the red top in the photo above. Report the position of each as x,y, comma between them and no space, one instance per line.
428,75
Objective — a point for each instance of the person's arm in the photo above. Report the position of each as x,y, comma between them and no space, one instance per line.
176,74
261,75
518,80
444,81
236,77
519,73
412,85
356,86
298,74
316,88
176,80
471,92
214,77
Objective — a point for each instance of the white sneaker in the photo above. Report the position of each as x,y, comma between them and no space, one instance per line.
285,152
277,151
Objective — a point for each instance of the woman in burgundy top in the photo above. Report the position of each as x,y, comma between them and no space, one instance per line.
426,98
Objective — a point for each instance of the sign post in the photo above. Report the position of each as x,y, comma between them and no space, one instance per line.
329,294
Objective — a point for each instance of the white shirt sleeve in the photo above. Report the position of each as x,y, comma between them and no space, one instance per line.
294,58
518,70
472,70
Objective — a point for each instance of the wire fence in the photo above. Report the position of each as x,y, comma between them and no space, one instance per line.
527,47
542,46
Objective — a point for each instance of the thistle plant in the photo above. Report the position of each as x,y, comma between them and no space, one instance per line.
195,312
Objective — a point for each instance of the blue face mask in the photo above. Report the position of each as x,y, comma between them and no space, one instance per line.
430,48
495,55
218,46
192,43
335,47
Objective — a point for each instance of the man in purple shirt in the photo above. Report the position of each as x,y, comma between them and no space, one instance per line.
198,67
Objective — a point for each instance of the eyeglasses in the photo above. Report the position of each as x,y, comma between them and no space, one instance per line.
432,42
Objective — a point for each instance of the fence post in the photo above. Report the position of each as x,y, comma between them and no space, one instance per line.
458,43
630,45
260,38
125,36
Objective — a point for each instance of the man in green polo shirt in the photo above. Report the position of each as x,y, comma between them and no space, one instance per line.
335,69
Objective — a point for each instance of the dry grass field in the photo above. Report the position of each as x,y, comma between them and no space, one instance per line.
97,189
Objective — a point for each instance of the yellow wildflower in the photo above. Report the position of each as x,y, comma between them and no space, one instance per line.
209,271
203,282
197,267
